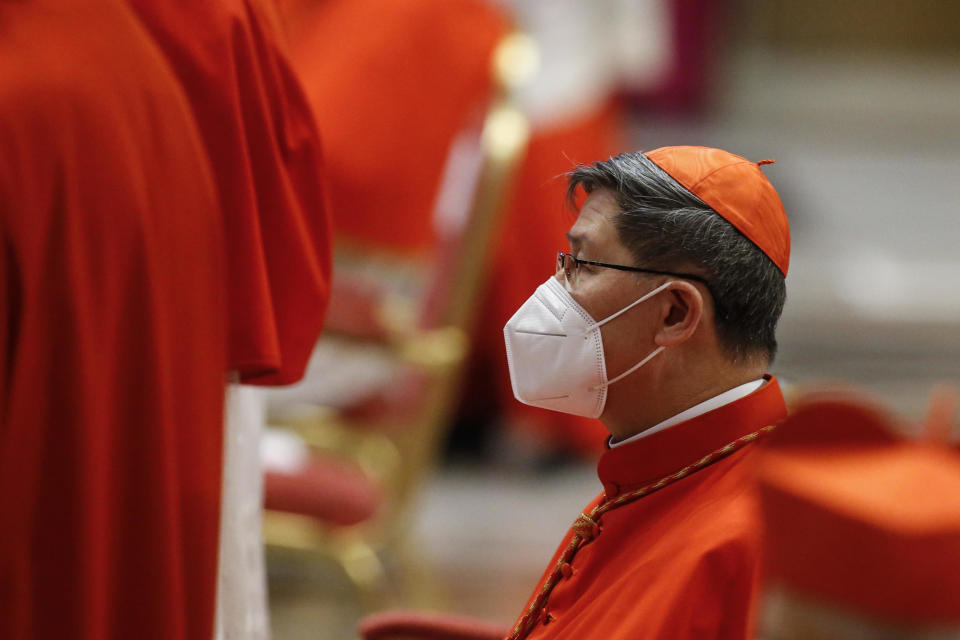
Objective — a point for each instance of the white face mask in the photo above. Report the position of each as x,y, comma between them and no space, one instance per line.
555,352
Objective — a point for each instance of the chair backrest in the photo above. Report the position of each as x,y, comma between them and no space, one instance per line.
427,331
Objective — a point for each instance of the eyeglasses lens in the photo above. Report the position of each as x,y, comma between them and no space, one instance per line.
567,269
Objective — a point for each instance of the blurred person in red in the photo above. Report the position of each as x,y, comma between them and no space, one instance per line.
403,80
391,80
112,344
862,527
660,321
260,136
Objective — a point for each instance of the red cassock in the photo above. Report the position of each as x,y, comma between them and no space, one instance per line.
262,141
680,562
111,334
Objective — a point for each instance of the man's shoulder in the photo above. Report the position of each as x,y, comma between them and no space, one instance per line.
713,513
724,504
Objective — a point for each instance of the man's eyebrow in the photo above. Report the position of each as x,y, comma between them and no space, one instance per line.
575,239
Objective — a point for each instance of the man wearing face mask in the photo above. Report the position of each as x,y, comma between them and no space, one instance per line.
660,322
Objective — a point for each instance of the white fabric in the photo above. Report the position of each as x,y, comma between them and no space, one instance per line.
578,65
588,49
643,42
555,352
241,581
715,402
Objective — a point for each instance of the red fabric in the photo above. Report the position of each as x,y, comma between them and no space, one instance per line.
860,519
327,489
413,625
392,83
814,419
111,334
736,189
531,232
263,145
682,562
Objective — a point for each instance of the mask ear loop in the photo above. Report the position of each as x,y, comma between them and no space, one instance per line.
652,354
631,305
630,370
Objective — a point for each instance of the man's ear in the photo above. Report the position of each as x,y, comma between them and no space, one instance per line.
680,315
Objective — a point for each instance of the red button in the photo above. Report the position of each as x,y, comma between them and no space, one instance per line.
566,570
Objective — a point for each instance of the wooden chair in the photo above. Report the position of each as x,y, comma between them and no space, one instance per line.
388,433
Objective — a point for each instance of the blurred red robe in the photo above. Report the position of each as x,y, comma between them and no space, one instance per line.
112,350
264,149
681,563
392,83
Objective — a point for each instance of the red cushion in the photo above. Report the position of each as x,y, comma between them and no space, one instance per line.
393,625
332,491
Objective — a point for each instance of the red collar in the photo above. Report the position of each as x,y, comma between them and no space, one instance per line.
662,453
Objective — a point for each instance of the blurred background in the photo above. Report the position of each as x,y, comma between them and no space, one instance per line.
446,125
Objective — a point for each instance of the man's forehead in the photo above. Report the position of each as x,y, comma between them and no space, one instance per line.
594,223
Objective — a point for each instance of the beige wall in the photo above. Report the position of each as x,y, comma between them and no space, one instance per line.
922,26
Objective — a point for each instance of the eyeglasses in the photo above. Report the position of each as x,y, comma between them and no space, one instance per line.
569,266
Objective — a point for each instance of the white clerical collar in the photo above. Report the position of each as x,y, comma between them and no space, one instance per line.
715,402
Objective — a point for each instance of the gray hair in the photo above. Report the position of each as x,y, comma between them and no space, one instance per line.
669,229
